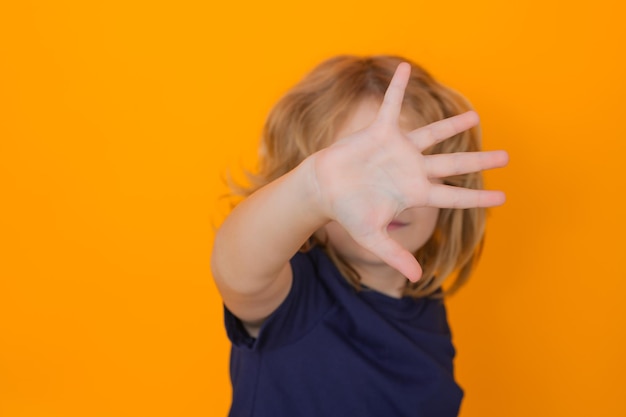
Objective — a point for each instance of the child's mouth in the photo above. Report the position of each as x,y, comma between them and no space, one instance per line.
395,225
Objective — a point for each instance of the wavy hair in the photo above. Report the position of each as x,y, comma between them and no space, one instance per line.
306,118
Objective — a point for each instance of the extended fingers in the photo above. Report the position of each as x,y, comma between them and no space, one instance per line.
446,196
436,132
392,102
449,164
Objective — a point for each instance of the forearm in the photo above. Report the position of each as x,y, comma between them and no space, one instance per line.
256,241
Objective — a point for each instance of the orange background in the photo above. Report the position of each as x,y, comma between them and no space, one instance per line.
118,120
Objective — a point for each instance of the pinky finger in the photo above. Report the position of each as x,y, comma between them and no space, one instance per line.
392,101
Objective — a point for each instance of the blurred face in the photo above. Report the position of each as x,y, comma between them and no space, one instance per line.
412,228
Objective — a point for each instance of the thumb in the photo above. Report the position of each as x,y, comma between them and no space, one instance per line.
394,255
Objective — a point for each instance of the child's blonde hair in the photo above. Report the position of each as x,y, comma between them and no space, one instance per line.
305,120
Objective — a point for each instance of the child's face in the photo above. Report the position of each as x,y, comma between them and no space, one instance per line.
412,228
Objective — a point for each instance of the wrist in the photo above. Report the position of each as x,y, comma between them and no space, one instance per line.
310,192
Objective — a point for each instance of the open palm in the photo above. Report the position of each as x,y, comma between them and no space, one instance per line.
367,179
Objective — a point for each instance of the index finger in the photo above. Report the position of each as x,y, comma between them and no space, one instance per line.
392,102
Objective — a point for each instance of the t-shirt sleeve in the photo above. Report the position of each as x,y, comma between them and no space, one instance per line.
303,308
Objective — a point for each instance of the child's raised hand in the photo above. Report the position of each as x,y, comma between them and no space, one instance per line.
368,178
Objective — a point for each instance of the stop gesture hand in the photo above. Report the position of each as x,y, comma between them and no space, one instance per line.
367,179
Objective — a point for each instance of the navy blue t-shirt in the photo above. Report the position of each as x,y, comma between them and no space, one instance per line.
329,350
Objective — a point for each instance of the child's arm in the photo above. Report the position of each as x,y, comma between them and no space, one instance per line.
251,253
363,182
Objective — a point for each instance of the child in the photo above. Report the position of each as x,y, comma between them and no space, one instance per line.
364,181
